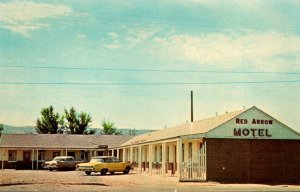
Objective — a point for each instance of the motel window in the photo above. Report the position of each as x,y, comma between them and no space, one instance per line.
71,154
55,154
42,155
12,155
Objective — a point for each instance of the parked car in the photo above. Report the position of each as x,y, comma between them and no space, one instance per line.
104,164
61,162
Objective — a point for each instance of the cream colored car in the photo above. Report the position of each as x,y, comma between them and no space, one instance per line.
104,164
61,163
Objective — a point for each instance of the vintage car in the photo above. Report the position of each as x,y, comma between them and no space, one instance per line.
61,163
104,164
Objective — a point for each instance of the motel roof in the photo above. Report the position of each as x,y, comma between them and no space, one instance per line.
201,126
61,141
215,127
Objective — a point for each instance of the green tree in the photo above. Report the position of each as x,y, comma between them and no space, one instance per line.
109,128
49,122
77,123
1,128
132,132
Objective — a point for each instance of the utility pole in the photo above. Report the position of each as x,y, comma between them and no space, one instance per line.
192,111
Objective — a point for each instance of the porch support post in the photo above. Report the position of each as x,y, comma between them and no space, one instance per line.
179,155
124,155
150,157
66,152
2,159
32,158
37,159
140,158
118,153
113,152
130,154
163,161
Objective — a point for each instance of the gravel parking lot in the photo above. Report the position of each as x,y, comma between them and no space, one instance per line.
43,180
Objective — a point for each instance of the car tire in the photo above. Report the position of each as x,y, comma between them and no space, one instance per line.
88,172
103,171
112,173
126,171
50,169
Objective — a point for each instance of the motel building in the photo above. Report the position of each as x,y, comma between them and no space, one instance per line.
29,151
241,146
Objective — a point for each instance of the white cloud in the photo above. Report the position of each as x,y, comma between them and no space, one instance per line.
139,35
263,51
23,17
113,35
113,46
81,36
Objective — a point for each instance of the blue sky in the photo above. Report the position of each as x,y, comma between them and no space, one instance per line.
135,62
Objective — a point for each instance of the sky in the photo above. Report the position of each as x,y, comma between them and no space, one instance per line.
135,62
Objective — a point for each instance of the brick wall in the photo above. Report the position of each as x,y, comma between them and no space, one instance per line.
240,160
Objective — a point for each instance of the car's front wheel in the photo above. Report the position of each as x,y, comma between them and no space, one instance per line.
126,171
50,169
88,172
103,171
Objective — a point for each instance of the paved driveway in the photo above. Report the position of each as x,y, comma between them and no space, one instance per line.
42,180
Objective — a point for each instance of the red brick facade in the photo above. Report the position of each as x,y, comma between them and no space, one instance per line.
241,160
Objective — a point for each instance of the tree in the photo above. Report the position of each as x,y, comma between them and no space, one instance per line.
132,132
49,122
77,123
1,128
109,128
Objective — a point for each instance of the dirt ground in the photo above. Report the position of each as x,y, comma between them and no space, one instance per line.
43,180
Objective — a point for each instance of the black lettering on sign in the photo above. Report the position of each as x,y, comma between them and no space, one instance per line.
237,132
246,132
251,132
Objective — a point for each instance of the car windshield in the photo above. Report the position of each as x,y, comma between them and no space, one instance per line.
101,160
59,159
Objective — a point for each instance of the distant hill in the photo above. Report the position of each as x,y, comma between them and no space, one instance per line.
18,130
31,130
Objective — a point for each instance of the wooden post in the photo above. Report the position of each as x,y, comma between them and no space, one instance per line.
163,161
2,157
32,158
150,157
178,157
118,153
124,155
37,159
130,154
113,152
140,158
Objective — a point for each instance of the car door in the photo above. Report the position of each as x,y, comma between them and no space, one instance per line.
118,165
69,162
110,164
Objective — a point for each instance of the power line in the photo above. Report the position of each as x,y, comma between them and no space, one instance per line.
148,84
148,70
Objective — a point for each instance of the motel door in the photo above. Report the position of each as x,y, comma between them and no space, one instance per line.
194,169
26,156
